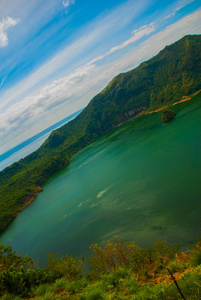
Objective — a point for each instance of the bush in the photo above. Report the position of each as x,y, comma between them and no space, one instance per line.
114,279
14,282
40,290
9,258
76,286
175,266
151,260
195,254
20,283
130,285
71,268
93,291
112,256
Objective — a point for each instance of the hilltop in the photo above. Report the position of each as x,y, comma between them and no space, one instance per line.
158,82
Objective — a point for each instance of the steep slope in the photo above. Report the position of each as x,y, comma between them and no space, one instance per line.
160,81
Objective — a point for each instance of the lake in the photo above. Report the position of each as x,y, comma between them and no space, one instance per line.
141,181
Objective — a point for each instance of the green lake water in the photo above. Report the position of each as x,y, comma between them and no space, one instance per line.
140,181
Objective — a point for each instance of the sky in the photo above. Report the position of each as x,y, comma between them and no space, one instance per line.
56,55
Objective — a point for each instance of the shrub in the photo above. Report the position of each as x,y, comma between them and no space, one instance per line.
112,256
40,290
71,268
195,254
114,279
175,266
151,260
14,282
93,291
21,282
130,285
9,258
76,286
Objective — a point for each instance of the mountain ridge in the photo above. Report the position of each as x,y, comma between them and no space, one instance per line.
160,81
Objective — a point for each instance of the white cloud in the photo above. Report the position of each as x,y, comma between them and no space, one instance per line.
78,84
72,92
67,3
137,35
4,25
89,36
150,47
2,81
179,8
52,95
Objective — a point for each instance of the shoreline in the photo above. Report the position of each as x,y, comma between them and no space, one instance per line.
184,99
145,112
31,197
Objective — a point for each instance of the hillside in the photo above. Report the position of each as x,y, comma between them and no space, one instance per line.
117,271
162,80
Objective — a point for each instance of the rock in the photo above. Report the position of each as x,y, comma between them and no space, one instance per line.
168,115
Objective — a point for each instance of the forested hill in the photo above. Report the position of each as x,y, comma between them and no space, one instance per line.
162,80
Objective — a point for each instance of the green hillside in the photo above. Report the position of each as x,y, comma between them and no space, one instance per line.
117,270
160,81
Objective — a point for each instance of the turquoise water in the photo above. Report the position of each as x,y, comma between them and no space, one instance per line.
140,181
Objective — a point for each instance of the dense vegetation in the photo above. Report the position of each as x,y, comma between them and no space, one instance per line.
160,81
117,271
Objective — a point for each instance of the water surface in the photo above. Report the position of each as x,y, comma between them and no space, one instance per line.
140,181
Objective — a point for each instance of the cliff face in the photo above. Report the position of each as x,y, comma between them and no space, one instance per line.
162,80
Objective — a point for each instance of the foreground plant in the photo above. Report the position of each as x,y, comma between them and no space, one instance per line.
118,271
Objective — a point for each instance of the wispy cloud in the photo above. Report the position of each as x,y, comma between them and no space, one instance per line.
179,8
73,91
136,35
88,37
4,25
52,95
67,3
2,81
187,25
79,83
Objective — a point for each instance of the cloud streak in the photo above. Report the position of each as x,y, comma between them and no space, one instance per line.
5,24
88,37
151,46
137,35
73,86
179,8
62,90
73,91
67,3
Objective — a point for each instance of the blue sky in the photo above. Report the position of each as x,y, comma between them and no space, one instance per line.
56,55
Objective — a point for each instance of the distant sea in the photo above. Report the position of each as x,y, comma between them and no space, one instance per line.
31,144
